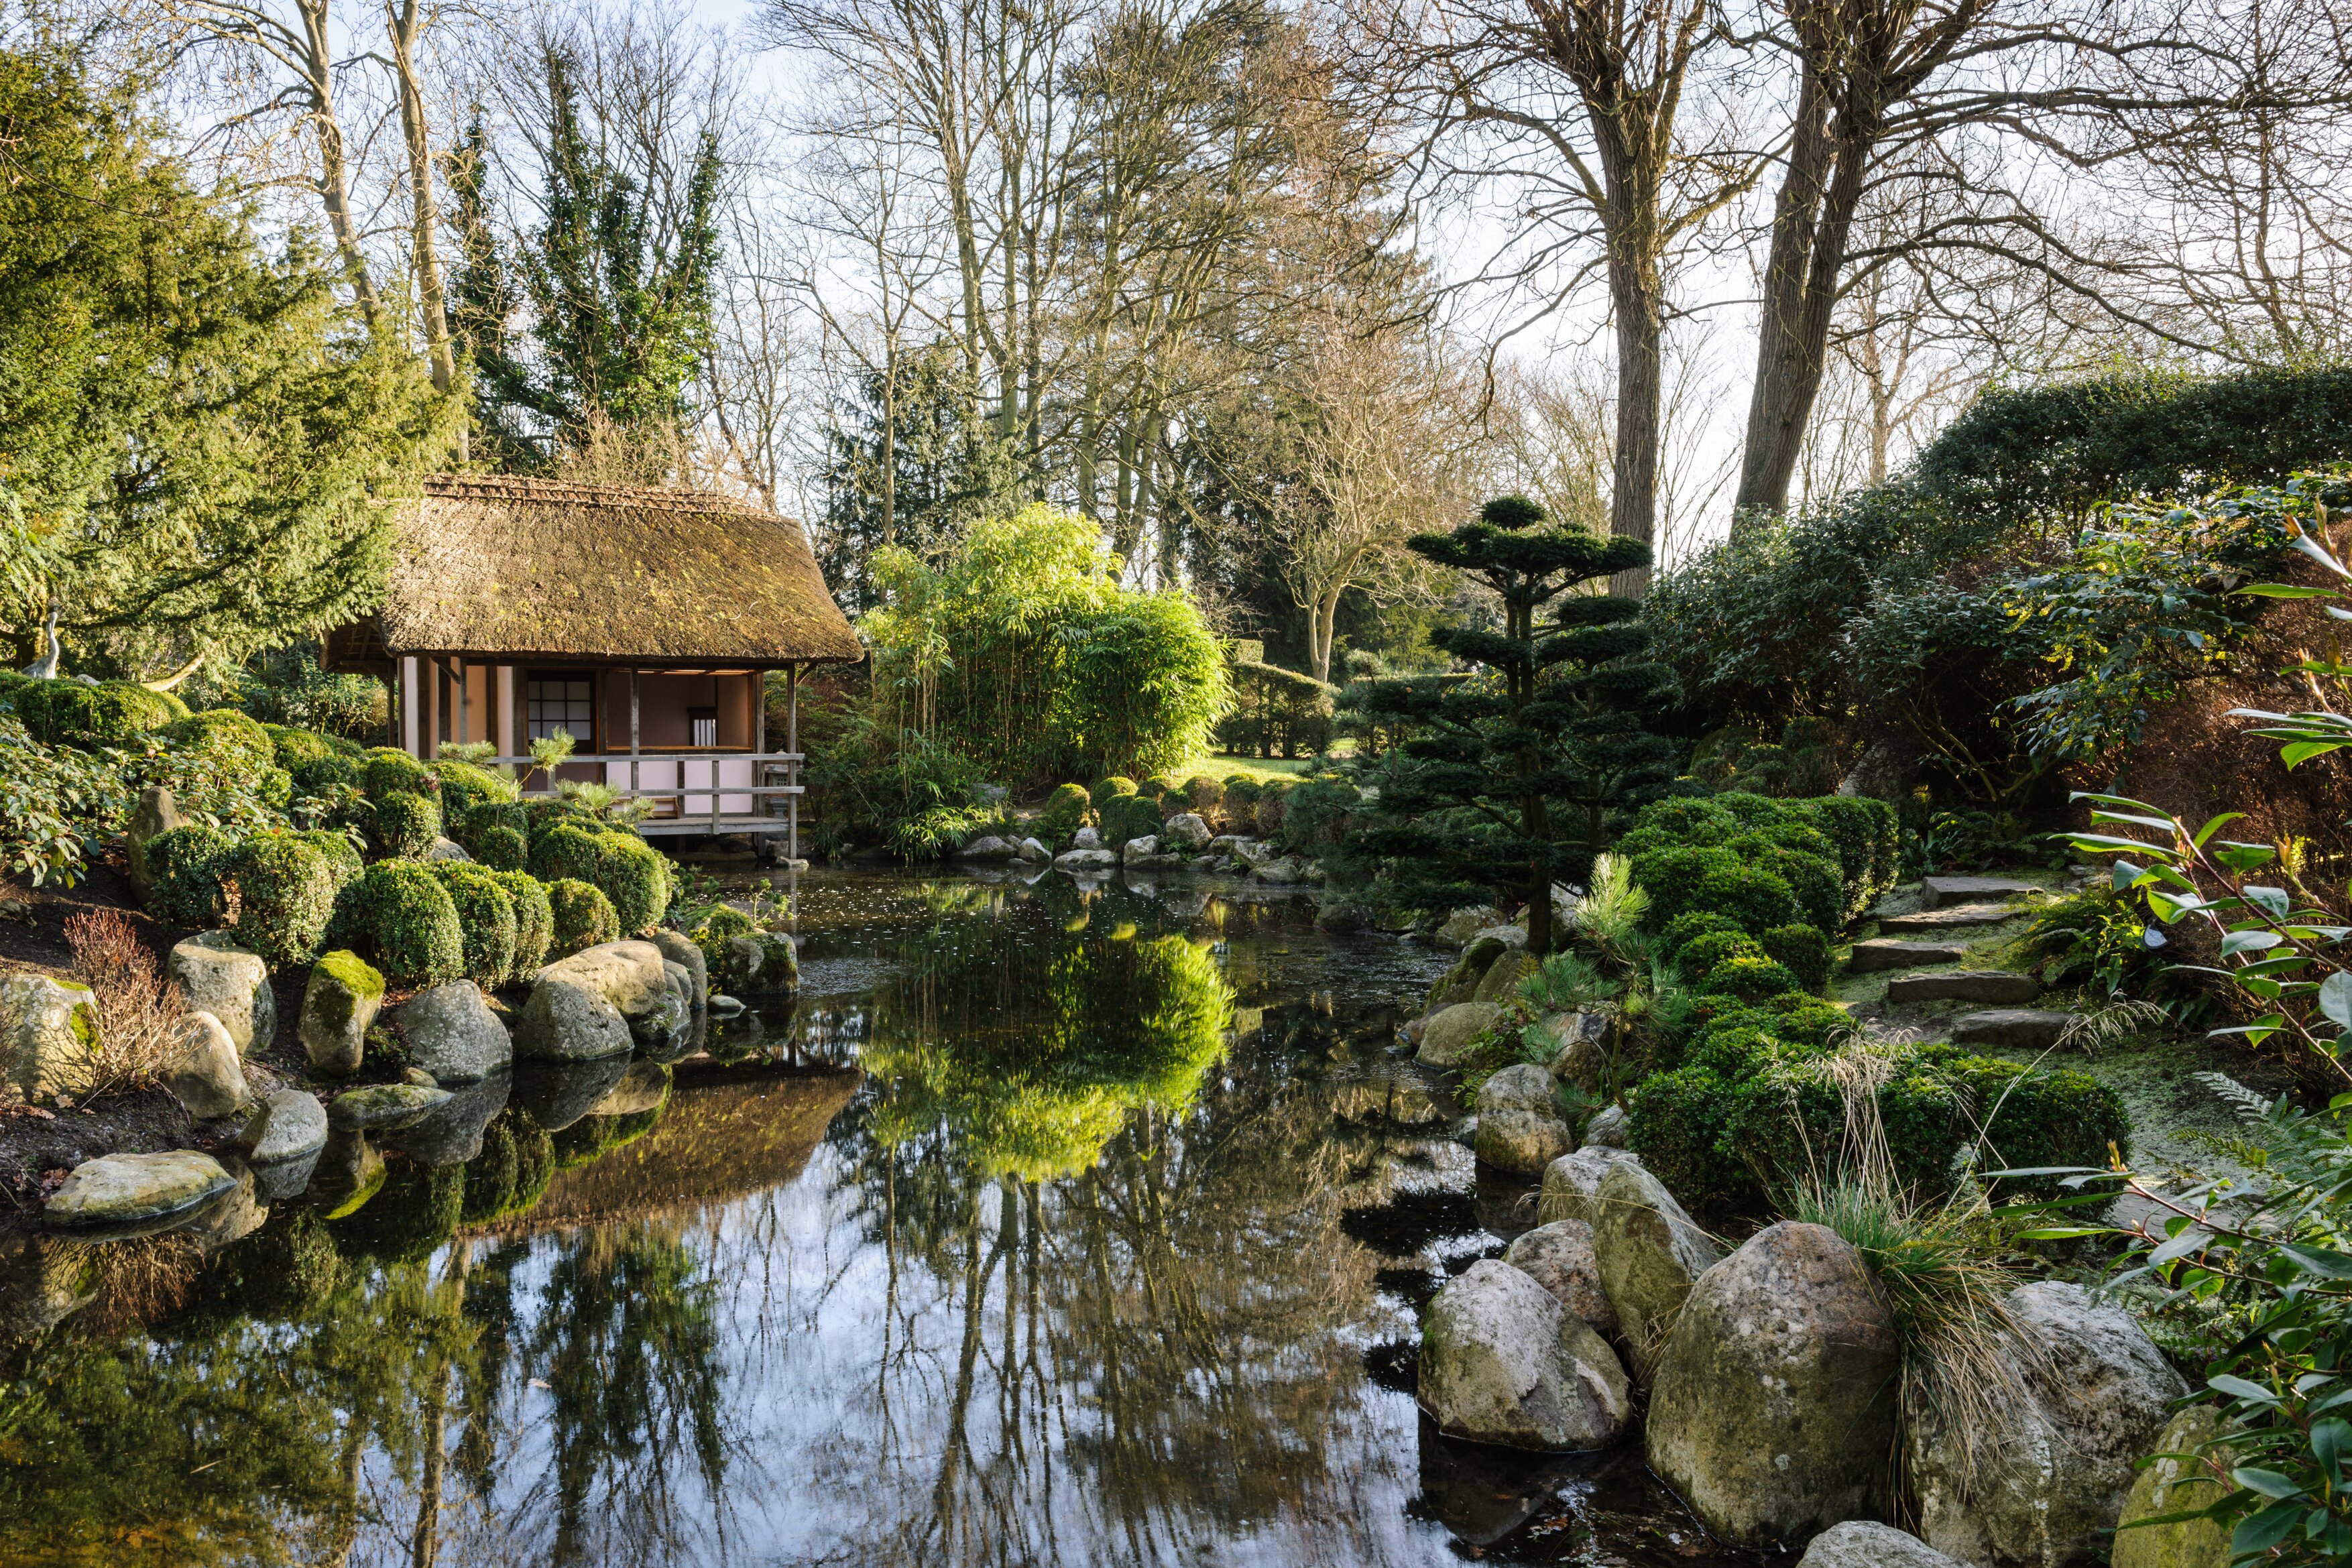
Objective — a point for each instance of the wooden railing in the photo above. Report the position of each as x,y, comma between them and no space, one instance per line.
682,791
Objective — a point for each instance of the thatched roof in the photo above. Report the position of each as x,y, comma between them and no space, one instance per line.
492,566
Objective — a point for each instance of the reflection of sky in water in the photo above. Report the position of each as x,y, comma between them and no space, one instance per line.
904,1353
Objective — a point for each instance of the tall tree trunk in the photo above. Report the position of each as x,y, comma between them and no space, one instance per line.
404,21
1638,297
334,160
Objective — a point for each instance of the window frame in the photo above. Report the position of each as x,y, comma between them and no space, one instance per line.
583,744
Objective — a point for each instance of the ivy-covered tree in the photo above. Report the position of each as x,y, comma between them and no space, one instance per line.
1518,777
619,294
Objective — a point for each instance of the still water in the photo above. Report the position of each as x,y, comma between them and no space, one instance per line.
1052,1227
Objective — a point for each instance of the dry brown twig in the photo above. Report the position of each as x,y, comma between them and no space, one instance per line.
141,1017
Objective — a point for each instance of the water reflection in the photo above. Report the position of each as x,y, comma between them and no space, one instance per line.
1055,1226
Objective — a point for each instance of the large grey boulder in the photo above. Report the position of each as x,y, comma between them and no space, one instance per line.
451,1132
1088,861
206,1076
2052,1466
1034,853
1572,1184
1651,1254
1445,1038
601,1001
2170,1485
1502,1361
1559,1257
987,846
1884,953
1582,1049
1773,1407
1186,831
1982,986
338,1006
1461,926
233,985
119,1193
1520,1129
1503,977
1859,1543
48,1029
676,947
443,848
2011,1029
290,1125
384,1107
453,1034
155,815
1607,1128
760,964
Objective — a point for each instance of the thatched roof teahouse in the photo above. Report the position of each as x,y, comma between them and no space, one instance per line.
642,622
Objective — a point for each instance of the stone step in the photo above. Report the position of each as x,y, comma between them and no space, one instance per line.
1991,985
1885,952
2011,1029
1950,919
1943,891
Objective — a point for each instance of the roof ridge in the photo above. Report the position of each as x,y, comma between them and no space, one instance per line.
530,488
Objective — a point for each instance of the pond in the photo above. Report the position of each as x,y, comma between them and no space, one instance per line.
1053,1226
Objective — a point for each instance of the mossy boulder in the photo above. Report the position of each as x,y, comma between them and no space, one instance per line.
339,1006
229,981
49,1033
1502,1361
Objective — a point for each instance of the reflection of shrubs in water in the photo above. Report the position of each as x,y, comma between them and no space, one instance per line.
511,1173
133,1281
416,1209
593,1137
288,1268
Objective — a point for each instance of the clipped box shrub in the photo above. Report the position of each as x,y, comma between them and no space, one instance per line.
464,786
184,869
390,772
1273,801
342,856
485,920
1750,977
1868,837
1159,786
111,713
405,825
1811,878
286,889
500,848
1707,949
1803,950
1205,796
400,917
636,876
1064,811
1686,927
1104,788
534,920
581,914
1126,816
295,748
1315,814
234,740
564,849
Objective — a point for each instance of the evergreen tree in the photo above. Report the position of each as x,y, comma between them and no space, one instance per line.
197,431
1517,777
620,310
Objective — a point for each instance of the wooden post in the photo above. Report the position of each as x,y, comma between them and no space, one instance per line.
793,744
431,677
460,676
632,732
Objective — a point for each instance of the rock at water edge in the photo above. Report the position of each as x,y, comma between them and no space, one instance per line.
49,1030
383,1106
233,985
1520,1129
121,1191
1559,1257
1774,1403
206,1076
452,1035
1445,1038
676,947
291,1125
339,1006
1572,1184
1651,1254
1502,1361
1858,1543
2052,1468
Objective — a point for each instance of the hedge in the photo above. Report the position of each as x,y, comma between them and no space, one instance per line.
636,876
1277,712
286,889
390,772
406,825
581,914
534,919
485,920
183,874
75,713
1835,855
235,740
1804,949
401,916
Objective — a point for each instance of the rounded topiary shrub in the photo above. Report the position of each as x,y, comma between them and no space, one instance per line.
1747,977
1159,786
406,825
534,920
1688,926
286,889
1757,898
401,916
1813,877
295,750
1105,787
342,856
565,850
1126,816
234,740
485,920
1273,802
390,772
183,870
1204,795
1675,875
636,876
582,916
326,773
1706,950
1066,811
75,713
500,848
1803,950
464,786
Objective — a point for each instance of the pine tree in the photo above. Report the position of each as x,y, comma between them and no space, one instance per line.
1517,777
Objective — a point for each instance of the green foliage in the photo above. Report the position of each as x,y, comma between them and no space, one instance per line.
635,877
499,847
1204,795
1804,951
534,919
205,433
112,713
1518,779
1277,712
286,888
1318,815
716,928
582,916
1128,816
406,825
184,868
400,917
1706,949
390,772
1105,789
1750,978
1834,855
225,736
565,849
296,751
1240,793
1273,808
1021,652
1687,927
285,687
464,786
485,920
894,784
1064,811
1160,787
342,858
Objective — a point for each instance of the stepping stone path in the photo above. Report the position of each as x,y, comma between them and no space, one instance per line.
387,1106
1943,891
1946,919
1885,953
1993,986
2011,1029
